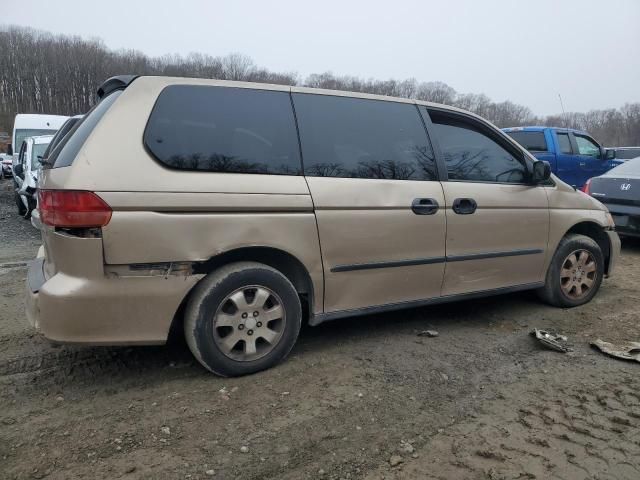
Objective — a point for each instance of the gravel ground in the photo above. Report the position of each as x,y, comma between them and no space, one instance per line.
364,398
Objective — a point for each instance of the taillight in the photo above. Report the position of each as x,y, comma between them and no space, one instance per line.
586,188
72,209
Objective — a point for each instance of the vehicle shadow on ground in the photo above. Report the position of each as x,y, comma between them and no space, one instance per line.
630,245
66,365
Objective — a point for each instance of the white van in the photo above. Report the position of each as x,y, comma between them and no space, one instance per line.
33,125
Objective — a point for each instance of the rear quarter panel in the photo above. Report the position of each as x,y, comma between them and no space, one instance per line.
167,215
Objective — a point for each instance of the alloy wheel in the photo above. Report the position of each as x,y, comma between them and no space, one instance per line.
578,274
249,323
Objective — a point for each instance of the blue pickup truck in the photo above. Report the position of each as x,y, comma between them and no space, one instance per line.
574,155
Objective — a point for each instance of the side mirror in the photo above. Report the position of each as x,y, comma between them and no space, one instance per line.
9,149
609,154
541,172
18,170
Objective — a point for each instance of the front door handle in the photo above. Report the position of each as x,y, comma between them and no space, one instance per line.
425,206
464,206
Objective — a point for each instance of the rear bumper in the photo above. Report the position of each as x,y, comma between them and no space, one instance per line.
614,252
104,311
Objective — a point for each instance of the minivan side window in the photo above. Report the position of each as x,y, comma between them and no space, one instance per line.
223,129
565,143
586,146
362,138
471,154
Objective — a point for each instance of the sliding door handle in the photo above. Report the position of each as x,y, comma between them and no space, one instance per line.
425,206
464,206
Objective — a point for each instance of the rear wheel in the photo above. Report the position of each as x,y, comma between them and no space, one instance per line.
575,273
243,318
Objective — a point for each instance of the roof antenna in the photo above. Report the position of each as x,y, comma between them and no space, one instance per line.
564,114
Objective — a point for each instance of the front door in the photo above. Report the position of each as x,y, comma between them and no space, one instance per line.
378,202
497,223
589,161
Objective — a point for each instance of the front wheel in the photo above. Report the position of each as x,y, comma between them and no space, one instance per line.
242,318
575,273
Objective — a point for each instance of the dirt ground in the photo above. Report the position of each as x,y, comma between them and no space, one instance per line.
364,398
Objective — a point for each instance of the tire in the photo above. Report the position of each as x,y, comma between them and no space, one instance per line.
22,210
555,291
219,295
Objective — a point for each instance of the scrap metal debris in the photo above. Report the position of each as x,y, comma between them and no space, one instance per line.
624,351
552,340
428,333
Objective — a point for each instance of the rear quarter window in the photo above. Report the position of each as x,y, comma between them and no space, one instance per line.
66,151
532,141
223,129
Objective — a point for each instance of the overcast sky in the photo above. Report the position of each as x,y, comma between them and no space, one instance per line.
524,51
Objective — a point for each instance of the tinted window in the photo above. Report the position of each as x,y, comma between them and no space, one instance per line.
532,141
221,129
360,138
65,152
471,154
66,127
587,146
565,144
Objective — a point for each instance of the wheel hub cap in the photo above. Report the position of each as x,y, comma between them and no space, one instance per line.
578,274
249,323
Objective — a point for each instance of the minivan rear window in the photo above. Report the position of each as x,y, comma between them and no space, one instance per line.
224,129
65,153
532,141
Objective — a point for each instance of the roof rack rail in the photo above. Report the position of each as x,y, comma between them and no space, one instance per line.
119,82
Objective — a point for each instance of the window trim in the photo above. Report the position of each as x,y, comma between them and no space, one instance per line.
496,135
441,167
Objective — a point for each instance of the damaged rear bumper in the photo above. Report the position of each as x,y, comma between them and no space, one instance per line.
104,310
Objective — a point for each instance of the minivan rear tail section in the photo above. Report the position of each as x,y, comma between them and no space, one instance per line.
66,151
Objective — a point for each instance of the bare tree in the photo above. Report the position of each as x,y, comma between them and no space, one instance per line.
59,74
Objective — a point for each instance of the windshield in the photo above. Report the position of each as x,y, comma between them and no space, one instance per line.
37,151
23,133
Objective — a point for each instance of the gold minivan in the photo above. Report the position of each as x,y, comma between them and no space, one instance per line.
240,210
